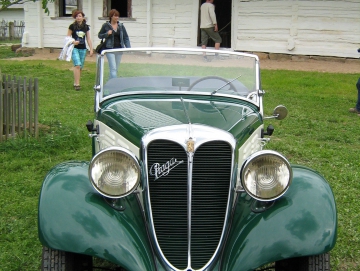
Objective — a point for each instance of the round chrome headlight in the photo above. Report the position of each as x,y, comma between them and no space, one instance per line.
114,172
266,175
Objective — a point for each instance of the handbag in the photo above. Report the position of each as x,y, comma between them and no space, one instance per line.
100,47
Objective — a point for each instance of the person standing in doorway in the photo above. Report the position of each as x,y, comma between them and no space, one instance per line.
115,36
80,32
208,25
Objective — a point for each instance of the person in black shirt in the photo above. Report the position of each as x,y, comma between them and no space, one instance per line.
79,31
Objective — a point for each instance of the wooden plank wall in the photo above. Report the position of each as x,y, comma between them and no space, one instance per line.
306,27
326,28
172,23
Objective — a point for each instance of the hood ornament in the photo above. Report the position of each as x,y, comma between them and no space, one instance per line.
190,143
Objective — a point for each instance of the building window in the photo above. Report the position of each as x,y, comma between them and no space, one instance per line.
66,7
123,6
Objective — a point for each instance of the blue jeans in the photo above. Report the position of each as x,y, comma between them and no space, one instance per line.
114,63
358,100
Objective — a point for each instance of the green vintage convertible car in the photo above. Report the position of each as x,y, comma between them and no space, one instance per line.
180,177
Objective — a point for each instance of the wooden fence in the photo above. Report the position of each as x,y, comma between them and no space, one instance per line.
11,30
19,107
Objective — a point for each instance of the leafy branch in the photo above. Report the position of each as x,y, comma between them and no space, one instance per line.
5,4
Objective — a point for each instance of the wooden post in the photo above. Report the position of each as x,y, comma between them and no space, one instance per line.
24,110
12,108
105,9
18,107
11,30
30,107
1,109
36,107
6,112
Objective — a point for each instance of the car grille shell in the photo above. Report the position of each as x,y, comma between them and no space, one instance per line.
189,203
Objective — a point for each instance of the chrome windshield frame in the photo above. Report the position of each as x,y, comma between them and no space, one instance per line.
255,97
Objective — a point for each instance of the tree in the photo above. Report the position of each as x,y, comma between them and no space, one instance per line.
7,3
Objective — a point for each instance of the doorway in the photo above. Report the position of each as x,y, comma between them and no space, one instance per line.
223,16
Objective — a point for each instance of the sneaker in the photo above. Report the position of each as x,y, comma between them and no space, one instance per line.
354,110
206,59
218,57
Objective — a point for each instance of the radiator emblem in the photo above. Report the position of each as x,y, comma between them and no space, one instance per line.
158,170
190,145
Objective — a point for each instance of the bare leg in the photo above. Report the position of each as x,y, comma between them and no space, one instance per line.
205,57
77,73
217,46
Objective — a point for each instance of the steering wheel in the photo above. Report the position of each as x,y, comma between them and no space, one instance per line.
212,77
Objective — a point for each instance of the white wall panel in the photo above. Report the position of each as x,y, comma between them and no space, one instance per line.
297,27
10,15
328,28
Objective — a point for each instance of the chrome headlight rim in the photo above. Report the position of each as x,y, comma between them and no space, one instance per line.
255,156
123,151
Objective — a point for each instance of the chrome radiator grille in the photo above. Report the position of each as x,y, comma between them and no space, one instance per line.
169,198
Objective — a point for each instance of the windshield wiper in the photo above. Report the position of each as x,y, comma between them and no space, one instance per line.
225,85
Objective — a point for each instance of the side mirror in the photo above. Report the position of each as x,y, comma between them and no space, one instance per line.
280,112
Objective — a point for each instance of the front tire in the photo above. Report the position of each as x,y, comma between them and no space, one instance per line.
57,260
310,263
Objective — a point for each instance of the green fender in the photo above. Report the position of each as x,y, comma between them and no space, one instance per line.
303,222
73,217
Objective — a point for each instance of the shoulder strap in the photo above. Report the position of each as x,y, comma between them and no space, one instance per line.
109,24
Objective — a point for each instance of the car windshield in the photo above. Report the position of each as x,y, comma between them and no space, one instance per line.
174,70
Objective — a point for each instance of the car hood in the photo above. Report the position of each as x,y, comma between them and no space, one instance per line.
133,118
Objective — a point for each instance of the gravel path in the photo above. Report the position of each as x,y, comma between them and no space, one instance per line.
331,64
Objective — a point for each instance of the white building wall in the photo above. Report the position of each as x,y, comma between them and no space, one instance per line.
13,13
31,26
326,28
137,29
54,29
172,23
317,27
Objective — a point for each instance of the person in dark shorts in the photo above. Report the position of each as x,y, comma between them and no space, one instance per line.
208,25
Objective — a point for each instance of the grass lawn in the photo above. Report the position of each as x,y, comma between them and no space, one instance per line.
318,132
